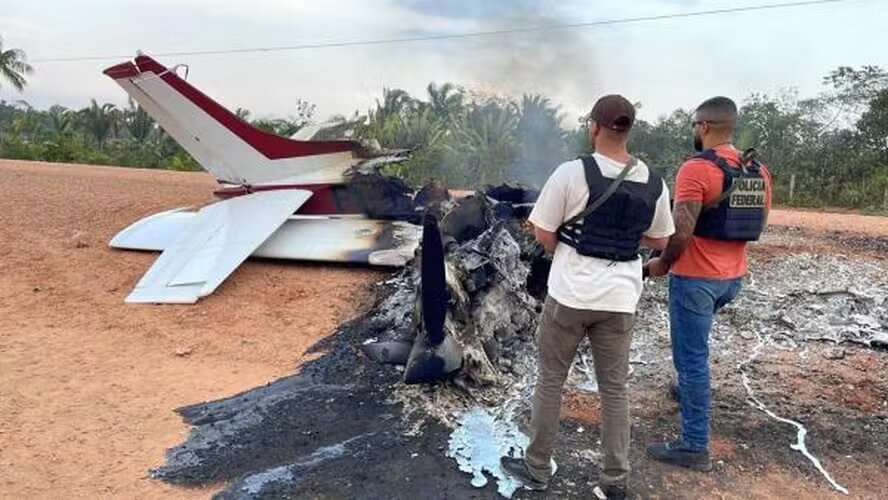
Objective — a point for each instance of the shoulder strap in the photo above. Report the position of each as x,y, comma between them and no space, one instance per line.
630,165
708,155
655,184
592,171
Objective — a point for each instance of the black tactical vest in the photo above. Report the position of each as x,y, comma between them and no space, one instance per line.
613,230
740,216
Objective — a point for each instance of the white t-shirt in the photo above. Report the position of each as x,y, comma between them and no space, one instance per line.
584,282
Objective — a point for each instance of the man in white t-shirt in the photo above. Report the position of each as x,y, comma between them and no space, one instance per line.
595,229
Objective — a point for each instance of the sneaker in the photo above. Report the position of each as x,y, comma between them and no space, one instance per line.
517,469
615,492
676,453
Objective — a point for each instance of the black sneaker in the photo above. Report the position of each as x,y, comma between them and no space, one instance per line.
517,469
614,492
676,453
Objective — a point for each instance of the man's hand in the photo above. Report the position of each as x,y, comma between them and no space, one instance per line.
685,214
656,268
548,239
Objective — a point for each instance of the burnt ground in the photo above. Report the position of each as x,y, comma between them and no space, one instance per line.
88,384
338,430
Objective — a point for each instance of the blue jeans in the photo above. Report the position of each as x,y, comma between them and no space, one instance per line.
693,303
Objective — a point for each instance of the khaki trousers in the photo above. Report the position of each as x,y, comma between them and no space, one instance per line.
561,329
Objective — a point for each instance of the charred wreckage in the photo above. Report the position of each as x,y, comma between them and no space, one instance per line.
456,327
477,282
459,317
445,359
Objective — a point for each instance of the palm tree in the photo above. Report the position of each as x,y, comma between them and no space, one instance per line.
138,122
242,113
445,100
484,143
541,140
394,101
59,119
27,124
13,67
100,122
394,105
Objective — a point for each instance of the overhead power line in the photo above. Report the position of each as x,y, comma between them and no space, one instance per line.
452,36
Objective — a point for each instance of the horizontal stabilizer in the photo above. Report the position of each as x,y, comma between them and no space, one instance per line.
212,245
313,238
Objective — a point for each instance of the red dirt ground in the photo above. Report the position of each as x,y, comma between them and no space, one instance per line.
88,384
871,225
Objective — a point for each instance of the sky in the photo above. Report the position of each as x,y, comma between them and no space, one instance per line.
663,65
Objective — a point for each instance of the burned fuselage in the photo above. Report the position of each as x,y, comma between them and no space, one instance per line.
472,286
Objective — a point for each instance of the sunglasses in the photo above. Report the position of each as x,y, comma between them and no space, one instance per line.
701,122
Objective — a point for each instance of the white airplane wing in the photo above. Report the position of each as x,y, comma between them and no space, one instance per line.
217,240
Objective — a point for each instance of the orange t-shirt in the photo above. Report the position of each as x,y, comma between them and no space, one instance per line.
700,180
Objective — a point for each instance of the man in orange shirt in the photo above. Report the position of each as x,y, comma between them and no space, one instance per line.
722,200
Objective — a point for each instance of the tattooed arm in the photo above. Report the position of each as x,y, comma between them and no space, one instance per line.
685,214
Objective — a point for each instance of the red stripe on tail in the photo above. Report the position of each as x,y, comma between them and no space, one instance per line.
270,145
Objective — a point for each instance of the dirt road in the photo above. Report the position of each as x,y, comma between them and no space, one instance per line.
871,225
88,384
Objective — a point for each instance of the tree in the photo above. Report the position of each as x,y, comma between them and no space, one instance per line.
242,113
540,139
100,121
28,123
138,122
857,86
468,138
288,126
394,102
13,67
664,144
446,101
60,120
873,124
779,128
483,143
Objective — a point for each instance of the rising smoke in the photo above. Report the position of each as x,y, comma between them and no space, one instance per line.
559,64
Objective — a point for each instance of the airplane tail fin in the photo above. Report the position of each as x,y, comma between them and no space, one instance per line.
231,149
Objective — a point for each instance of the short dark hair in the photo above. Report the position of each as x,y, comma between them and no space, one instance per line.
719,108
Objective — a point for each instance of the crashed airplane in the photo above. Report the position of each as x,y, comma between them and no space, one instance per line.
316,200
324,200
